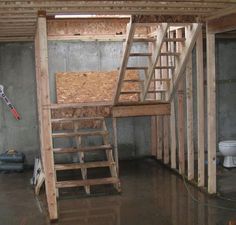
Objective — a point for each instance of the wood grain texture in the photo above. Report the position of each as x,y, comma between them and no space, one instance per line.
78,87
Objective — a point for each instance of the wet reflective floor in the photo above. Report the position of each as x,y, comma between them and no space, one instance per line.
151,194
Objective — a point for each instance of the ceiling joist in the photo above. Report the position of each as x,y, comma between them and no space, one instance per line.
19,16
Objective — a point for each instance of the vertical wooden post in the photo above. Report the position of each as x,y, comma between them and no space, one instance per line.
166,121
180,96
200,110
189,103
46,141
173,136
181,129
154,136
172,116
159,137
115,141
39,103
211,112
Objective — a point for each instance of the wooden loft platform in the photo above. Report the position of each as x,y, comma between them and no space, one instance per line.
18,19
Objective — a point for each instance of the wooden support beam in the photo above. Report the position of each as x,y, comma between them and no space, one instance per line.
221,13
222,24
48,160
189,105
200,111
181,128
211,112
141,110
38,91
181,124
127,49
159,137
173,136
115,142
166,121
191,36
154,136
161,32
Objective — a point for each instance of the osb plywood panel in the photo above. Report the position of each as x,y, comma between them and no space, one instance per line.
78,87
90,27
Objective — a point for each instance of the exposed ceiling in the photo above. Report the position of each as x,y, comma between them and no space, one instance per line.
18,18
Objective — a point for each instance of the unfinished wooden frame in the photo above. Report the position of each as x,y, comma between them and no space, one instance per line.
164,114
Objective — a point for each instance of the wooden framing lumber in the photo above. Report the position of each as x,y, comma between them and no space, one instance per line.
221,13
88,182
41,47
211,112
189,105
159,137
173,136
153,136
78,142
115,143
181,128
200,111
38,91
166,143
141,110
222,24
191,36
84,165
161,32
127,49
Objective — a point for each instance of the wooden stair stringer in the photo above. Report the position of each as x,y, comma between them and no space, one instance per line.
109,154
126,53
161,33
191,36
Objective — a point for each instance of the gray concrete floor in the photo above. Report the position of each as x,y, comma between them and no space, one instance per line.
150,195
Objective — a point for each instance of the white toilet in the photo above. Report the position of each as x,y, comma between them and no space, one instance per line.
228,150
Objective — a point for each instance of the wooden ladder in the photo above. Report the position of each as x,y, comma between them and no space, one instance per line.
166,62
80,132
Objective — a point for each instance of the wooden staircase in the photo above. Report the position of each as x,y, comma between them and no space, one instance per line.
166,56
78,130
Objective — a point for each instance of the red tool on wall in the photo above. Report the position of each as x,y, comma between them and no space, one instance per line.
12,108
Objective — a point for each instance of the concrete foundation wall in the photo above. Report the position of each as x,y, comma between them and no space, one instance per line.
17,74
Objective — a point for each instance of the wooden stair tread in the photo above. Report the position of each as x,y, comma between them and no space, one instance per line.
88,182
159,79
174,39
165,67
75,119
156,91
169,53
82,149
144,39
133,80
140,54
85,165
136,67
80,133
130,92
145,67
